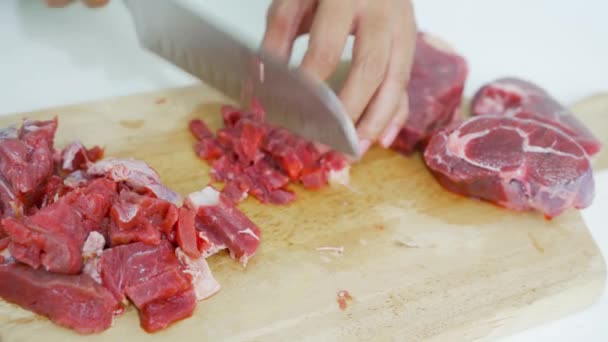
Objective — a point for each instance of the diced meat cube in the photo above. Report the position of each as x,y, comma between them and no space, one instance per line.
220,220
73,301
164,285
208,149
141,218
200,130
161,313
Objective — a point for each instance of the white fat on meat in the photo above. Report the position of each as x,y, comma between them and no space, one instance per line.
75,179
203,282
69,153
91,252
7,256
136,174
250,232
339,177
207,197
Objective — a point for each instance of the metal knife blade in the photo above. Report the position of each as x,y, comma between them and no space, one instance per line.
292,100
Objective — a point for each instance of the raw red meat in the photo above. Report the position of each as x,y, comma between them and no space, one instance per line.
136,174
255,158
522,99
26,161
185,233
162,312
54,236
77,157
128,266
434,91
517,163
141,218
73,301
221,225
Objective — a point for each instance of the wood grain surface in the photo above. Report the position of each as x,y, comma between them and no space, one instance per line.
420,263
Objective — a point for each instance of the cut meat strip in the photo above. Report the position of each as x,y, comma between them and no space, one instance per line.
185,233
75,302
54,236
222,224
435,90
135,173
141,218
530,165
518,98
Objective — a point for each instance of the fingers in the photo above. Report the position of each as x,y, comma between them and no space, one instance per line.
386,112
332,24
370,61
283,25
391,131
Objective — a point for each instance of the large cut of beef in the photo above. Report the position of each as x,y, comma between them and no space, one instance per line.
434,91
81,238
255,158
522,99
515,162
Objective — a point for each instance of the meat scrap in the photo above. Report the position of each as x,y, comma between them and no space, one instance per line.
434,91
517,163
342,298
514,97
255,158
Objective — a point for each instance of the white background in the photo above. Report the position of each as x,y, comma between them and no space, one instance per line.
56,57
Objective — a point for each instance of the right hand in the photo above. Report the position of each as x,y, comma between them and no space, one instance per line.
63,3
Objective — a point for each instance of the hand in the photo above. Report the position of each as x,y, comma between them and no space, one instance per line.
374,94
63,3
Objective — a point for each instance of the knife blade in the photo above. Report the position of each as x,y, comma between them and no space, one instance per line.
197,45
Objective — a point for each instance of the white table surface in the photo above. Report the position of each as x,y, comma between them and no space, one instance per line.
56,57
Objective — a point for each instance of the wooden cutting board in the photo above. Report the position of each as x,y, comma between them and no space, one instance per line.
421,263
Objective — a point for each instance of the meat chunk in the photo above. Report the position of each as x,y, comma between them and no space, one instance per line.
141,218
514,97
77,157
517,163
135,173
26,161
73,301
435,90
54,236
221,225
124,268
161,313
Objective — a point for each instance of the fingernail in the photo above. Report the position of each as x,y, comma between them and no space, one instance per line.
389,136
364,144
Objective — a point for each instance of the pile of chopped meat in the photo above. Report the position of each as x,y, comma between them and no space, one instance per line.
253,157
82,237
522,150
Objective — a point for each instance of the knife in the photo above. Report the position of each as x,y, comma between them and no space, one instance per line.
292,100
